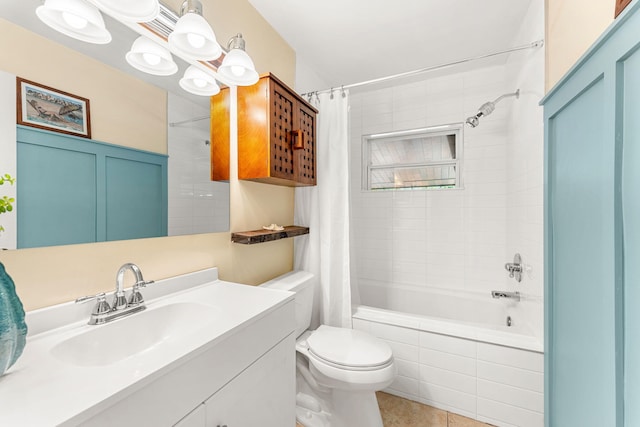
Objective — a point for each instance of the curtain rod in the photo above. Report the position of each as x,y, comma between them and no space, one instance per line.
535,44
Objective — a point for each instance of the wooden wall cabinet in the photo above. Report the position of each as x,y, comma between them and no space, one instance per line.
276,135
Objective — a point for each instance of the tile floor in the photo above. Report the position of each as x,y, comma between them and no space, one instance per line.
399,412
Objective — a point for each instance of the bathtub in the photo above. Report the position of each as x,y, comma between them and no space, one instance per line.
455,352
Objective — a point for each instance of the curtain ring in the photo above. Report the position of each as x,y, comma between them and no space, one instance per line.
342,90
331,96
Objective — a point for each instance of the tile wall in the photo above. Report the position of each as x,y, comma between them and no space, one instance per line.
525,168
196,205
453,239
498,385
460,239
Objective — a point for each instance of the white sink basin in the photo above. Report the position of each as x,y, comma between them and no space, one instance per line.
106,344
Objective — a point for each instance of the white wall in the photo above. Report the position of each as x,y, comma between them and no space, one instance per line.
8,238
458,239
307,80
525,168
196,204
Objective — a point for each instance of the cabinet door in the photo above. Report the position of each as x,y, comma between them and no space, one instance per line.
282,123
305,156
262,395
195,418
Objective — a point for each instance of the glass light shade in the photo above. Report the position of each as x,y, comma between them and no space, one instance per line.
149,57
194,38
237,67
198,82
75,18
133,11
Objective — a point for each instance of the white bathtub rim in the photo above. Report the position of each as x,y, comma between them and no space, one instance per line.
449,328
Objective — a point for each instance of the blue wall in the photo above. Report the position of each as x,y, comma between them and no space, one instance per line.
592,235
76,190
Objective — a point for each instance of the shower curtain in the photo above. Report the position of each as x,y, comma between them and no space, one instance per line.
325,210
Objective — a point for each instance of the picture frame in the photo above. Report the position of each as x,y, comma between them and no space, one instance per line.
51,109
620,5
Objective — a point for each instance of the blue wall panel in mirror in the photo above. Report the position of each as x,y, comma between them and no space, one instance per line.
136,204
56,196
75,190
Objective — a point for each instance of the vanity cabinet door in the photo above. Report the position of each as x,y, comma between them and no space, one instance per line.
262,395
195,418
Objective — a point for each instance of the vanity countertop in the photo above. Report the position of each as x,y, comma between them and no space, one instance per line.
44,389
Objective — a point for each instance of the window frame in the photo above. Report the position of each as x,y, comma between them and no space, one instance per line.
456,129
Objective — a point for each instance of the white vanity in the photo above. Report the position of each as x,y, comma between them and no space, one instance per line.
204,353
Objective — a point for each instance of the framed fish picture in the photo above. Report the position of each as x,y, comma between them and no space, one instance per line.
51,109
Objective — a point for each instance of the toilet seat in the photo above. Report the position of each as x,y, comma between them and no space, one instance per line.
348,349
347,359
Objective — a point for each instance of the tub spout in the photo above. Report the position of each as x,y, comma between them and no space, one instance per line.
503,294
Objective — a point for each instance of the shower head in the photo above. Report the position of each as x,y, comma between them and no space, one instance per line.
487,108
473,121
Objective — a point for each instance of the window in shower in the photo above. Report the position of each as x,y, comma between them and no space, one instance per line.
419,158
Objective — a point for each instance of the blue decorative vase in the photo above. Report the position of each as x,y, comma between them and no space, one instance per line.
13,329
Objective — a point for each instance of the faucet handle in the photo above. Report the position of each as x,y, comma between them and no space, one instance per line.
101,307
143,283
136,297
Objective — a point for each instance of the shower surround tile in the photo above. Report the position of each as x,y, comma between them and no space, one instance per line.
469,233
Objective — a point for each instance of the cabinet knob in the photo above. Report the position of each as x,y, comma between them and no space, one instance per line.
298,139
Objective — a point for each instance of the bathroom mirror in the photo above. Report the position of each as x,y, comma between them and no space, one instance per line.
195,204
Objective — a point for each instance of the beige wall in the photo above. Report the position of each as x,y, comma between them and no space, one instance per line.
571,28
47,276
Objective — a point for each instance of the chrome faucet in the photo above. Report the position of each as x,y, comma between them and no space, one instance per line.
103,312
504,294
120,301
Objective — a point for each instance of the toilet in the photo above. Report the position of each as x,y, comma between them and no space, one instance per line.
338,370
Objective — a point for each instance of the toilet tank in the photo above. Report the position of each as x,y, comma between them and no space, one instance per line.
302,283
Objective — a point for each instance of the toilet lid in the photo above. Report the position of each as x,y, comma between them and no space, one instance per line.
348,347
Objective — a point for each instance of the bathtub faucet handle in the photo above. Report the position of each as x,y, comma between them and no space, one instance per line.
515,268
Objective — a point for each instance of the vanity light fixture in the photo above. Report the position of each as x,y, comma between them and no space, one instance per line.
189,36
132,11
198,82
149,57
192,36
237,66
75,18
